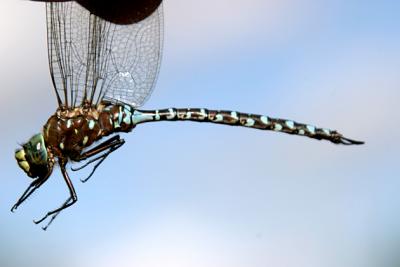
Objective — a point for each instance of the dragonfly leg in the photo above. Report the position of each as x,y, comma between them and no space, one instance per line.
31,188
109,146
99,148
55,215
69,202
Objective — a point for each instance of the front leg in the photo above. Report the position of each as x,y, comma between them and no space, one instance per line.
31,188
69,202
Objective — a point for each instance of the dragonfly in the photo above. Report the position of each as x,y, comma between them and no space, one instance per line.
102,73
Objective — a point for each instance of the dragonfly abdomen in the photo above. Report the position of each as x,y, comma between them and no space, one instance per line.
235,118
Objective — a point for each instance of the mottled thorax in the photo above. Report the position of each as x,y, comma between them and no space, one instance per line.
69,131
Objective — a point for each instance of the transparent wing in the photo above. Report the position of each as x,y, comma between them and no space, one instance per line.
92,59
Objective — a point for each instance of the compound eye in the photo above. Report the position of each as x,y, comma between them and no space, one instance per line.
38,146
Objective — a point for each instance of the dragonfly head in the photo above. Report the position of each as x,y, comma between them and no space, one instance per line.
32,158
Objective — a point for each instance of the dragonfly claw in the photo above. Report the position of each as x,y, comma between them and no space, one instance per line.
41,220
14,208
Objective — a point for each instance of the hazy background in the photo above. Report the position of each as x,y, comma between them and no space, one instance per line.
187,194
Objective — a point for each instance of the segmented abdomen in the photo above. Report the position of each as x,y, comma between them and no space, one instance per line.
235,118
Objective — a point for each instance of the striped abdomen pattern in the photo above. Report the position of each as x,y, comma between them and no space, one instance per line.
127,118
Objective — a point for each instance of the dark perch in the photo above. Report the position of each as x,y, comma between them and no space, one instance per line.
118,11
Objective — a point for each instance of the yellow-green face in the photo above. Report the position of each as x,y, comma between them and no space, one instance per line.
21,159
32,157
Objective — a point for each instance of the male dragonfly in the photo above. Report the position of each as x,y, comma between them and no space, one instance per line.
102,73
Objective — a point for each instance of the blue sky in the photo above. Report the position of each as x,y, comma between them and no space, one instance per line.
187,194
